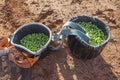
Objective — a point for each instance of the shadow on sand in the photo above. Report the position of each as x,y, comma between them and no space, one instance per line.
61,65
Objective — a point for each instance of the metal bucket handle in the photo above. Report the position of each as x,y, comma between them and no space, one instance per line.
69,28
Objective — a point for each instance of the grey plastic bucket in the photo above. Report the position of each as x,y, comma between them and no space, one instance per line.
30,28
80,48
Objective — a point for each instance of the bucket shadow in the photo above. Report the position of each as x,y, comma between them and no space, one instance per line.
94,69
57,66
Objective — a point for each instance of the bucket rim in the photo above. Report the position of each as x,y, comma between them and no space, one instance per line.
26,49
106,27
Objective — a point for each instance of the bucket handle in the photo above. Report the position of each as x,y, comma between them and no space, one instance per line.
73,25
69,28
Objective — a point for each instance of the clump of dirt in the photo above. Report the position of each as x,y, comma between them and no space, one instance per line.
53,13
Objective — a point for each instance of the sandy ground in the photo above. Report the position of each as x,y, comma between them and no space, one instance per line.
54,13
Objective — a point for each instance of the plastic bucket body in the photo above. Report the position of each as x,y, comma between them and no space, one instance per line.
80,48
30,28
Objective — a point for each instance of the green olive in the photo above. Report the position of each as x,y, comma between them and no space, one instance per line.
97,36
34,41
